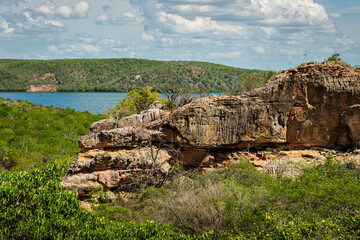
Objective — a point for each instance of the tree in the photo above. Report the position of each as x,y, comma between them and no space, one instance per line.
334,57
135,101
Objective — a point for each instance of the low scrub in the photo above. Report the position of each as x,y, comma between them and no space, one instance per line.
241,202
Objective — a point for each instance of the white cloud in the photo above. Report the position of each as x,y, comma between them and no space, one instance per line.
90,48
53,48
125,19
199,25
327,49
47,9
64,11
259,49
335,15
147,37
6,29
81,9
345,41
39,24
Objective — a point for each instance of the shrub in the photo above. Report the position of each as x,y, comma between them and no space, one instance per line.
135,101
35,206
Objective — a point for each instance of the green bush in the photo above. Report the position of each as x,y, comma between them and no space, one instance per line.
35,206
135,101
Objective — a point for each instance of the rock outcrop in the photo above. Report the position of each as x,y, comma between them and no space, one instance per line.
42,88
311,106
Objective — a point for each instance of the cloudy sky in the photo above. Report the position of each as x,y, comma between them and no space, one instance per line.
263,34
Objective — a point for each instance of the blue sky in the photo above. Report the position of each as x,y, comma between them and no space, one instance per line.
263,34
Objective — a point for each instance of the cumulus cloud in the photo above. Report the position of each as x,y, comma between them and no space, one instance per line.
90,48
147,37
126,18
6,29
80,10
26,24
236,18
64,11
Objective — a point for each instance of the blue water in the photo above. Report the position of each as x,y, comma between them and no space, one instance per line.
95,102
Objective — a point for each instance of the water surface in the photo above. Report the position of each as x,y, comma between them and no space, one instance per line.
95,102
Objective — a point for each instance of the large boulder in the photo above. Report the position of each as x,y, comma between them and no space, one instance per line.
313,105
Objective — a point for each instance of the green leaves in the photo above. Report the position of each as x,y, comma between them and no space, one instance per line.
33,205
135,101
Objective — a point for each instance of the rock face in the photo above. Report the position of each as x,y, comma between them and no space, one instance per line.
42,88
313,105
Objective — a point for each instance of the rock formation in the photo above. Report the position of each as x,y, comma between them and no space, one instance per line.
42,88
313,105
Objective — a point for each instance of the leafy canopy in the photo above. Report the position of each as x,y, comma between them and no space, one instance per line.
135,101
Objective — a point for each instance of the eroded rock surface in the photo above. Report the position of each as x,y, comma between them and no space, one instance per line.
312,106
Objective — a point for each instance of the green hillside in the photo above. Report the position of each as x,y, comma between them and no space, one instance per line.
32,135
118,74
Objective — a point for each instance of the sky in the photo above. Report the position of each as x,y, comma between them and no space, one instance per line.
260,34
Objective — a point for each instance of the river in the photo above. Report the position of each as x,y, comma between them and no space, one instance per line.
95,102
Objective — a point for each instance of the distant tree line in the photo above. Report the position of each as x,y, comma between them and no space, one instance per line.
122,75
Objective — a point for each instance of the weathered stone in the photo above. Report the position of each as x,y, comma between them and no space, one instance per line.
351,118
298,107
113,169
81,184
313,106
118,137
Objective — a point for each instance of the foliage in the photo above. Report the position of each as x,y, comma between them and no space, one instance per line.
31,135
122,75
243,203
334,57
135,101
35,206
249,81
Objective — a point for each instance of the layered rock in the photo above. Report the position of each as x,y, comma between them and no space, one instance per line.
313,105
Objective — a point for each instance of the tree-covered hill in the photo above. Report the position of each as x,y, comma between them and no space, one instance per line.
118,74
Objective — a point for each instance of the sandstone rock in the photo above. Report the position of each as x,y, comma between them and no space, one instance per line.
307,109
351,119
42,88
118,137
298,107
114,169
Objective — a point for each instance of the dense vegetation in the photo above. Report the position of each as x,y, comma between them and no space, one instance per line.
135,101
33,205
242,202
31,135
120,74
